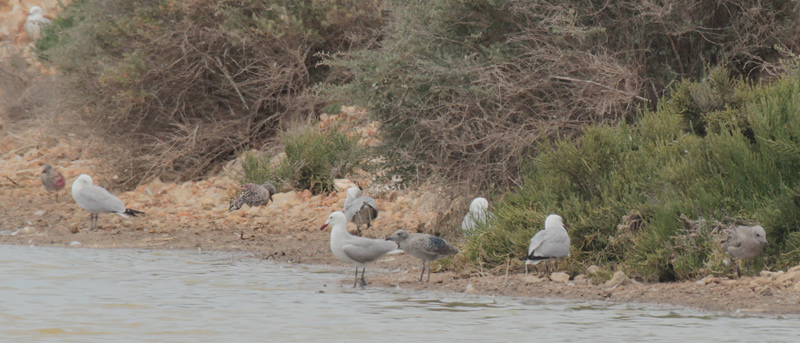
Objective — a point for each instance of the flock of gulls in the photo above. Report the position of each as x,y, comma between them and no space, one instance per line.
550,244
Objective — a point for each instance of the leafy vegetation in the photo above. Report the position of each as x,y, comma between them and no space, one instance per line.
313,160
653,197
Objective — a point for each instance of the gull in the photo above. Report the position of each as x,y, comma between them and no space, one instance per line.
96,200
35,23
52,179
359,209
478,215
423,246
552,243
253,195
744,243
353,249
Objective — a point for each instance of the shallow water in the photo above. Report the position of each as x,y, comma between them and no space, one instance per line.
94,295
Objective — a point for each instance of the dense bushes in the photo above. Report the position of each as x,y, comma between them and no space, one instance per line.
313,159
183,85
653,197
479,83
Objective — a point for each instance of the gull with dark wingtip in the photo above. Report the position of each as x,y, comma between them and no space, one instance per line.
423,246
96,200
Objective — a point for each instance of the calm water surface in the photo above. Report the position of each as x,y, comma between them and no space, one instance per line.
91,295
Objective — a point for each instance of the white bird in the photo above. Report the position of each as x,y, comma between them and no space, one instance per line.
552,243
423,246
352,249
478,215
35,23
359,209
96,200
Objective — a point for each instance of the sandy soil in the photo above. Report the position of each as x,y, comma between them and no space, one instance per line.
192,215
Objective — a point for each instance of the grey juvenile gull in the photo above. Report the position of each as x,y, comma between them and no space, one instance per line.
35,23
552,243
52,179
352,249
423,246
253,195
96,200
360,209
744,243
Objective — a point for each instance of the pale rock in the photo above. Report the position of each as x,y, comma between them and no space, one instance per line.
341,185
181,195
39,213
708,280
277,159
580,278
252,211
284,200
796,287
769,274
208,202
559,277
794,269
787,279
619,279
74,243
592,270
26,230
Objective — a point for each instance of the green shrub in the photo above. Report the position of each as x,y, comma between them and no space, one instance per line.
313,160
685,185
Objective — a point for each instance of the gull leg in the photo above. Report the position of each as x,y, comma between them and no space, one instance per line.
358,230
747,266
429,272
738,272
526,268
356,279
423,271
363,282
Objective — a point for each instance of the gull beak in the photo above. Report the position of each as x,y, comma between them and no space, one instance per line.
324,226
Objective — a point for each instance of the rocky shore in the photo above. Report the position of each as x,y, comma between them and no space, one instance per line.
192,215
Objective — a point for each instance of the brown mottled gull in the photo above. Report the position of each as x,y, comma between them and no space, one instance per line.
253,195
52,179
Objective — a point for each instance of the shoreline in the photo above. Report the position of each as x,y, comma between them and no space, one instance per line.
401,272
194,215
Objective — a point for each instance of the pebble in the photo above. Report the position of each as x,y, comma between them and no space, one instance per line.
74,243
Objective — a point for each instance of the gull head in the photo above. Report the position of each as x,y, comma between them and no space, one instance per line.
353,192
35,10
47,168
334,219
759,234
554,221
84,180
398,236
478,205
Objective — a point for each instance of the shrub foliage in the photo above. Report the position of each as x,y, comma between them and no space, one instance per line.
681,187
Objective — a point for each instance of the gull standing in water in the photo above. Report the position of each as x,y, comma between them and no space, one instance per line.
52,179
552,243
360,209
352,249
96,200
423,246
